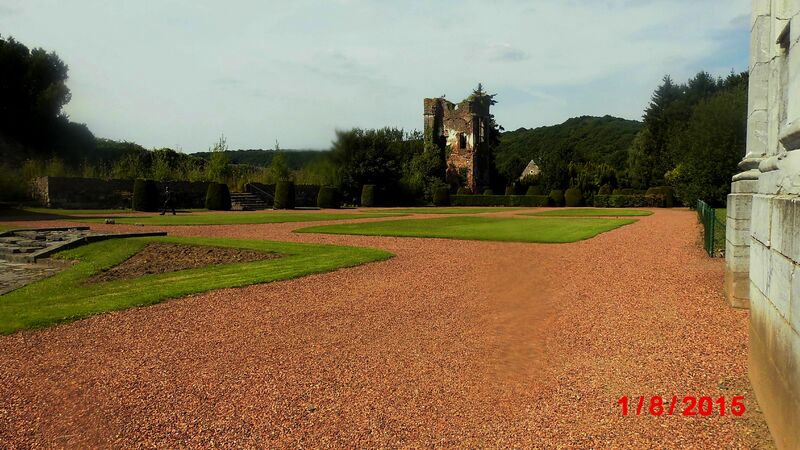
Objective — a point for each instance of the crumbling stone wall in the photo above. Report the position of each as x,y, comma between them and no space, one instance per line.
93,193
763,225
461,130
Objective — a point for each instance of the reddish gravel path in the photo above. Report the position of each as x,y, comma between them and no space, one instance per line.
451,343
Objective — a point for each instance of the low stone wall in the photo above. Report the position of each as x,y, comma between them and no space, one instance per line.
306,195
737,243
93,193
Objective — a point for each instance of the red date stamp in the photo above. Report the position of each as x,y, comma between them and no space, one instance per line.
687,406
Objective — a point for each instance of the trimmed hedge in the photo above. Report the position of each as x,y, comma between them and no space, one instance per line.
534,190
218,197
488,192
284,195
464,191
511,190
328,197
573,197
667,192
368,195
145,195
499,200
604,190
556,197
441,196
629,201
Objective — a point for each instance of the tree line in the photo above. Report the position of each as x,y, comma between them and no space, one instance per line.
694,137
691,137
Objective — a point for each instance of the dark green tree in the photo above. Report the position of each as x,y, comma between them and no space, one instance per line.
278,168
714,144
217,168
33,92
368,157
485,155
580,139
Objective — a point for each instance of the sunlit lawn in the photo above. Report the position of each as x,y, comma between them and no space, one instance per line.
446,210
516,229
590,212
185,218
66,296
236,218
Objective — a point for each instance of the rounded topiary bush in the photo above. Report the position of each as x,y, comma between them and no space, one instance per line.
604,190
511,190
557,197
368,195
218,197
488,192
145,195
328,197
464,191
441,196
573,197
534,190
284,195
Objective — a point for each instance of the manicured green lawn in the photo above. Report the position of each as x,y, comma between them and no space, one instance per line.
65,297
720,228
196,217
233,218
516,229
591,212
447,210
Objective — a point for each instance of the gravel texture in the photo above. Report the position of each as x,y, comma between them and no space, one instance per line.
449,344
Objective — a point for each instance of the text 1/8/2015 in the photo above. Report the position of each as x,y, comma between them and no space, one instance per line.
690,406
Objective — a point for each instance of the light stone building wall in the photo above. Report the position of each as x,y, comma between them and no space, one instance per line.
763,224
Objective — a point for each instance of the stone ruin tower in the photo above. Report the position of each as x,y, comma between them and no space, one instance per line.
461,132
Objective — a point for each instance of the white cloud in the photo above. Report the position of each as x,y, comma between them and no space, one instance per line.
179,72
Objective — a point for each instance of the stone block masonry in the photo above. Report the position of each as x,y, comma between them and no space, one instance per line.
775,317
763,224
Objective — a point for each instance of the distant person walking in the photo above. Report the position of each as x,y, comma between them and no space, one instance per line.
168,202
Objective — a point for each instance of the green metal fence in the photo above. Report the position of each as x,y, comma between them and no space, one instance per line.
713,230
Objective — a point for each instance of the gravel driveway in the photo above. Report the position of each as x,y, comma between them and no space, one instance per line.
449,344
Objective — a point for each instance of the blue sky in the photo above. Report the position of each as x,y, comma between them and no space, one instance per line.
178,73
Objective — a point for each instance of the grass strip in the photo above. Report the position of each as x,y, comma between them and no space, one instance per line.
66,296
514,229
